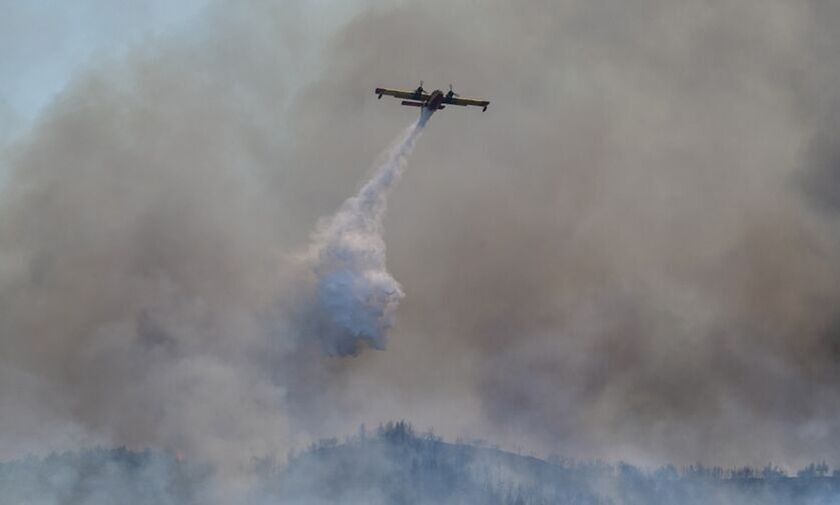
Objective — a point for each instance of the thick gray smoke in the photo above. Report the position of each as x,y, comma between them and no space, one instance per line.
148,282
356,296
632,254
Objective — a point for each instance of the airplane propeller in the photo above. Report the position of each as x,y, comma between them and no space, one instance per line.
453,93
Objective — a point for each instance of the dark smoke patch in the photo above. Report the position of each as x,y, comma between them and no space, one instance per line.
153,334
821,176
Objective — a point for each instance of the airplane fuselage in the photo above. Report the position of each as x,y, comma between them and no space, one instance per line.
434,101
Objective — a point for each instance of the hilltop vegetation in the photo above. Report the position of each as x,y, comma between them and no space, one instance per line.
396,465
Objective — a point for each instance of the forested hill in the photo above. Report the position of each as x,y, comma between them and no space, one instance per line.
395,465
103,477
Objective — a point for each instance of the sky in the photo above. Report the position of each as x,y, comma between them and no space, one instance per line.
630,255
45,43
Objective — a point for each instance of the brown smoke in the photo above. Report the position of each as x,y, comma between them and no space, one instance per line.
632,253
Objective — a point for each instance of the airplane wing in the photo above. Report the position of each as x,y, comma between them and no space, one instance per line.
401,93
467,101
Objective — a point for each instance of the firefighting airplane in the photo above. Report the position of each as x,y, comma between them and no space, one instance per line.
432,101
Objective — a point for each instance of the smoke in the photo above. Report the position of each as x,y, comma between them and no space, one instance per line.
356,296
617,260
148,283
142,259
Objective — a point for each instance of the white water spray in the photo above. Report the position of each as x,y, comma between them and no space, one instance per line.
356,296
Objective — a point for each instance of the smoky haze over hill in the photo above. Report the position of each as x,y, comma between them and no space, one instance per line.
395,465
632,254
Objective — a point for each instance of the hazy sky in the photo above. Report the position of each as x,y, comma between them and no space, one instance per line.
45,43
631,254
